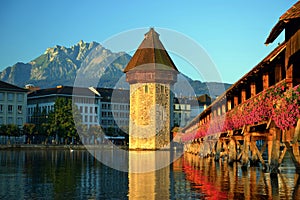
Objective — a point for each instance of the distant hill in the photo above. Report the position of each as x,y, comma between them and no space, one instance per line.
95,65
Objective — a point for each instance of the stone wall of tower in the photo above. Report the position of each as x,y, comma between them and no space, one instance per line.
149,126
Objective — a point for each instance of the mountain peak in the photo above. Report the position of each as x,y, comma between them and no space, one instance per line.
81,42
59,65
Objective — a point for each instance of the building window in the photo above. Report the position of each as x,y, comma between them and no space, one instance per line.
104,106
10,96
85,118
20,121
162,89
1,108
1,96
20,97
86,109
91,110
146,88
80,108
9,120
1,121
10,108
91,118
104,114
19,109
96,110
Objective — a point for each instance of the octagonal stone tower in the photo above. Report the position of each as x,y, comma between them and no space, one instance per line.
151,73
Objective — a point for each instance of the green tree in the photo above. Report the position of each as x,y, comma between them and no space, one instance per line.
97,132
83,132
29,130
62,121
10,130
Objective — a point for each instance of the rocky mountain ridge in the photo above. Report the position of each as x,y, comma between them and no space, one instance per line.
97,65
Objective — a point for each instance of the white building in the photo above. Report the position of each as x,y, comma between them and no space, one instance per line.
114,110
86,100
13,102
107,107
186,109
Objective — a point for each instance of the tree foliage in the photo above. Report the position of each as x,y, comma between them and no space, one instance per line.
62,119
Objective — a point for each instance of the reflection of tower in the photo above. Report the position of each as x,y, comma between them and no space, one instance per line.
147,179
151,74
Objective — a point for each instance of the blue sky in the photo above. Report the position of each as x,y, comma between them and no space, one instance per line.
232,32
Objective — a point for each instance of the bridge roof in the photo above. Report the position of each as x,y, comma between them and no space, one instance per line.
151,55
290,14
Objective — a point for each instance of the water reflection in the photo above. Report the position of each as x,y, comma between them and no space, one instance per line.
78,175
153,184
57,175
218,180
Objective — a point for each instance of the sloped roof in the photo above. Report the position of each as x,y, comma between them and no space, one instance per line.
114,95
290,14
10,87
62,91
151,54
106,94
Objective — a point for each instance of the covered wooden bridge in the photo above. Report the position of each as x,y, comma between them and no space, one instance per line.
257,119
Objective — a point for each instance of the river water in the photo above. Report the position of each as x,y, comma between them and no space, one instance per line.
62,174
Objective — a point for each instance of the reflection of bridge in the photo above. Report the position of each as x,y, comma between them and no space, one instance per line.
262,106
216,180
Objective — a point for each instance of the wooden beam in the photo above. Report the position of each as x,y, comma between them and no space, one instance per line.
253,89
275,150
278,73
265,80
232,155
229,104
243,95
282,155
235,101
297,132
245,157
289,149
257,152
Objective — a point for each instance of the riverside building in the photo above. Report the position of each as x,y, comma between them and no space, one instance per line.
95,105
13,102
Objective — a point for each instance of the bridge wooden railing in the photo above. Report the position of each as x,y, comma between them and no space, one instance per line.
277,103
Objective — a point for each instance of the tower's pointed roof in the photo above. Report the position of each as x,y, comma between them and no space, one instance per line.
151,55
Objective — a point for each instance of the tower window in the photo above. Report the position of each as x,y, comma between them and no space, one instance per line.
146,88
162,89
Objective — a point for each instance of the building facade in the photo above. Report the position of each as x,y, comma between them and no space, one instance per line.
96,106
114,110
13,102
187,108
87,102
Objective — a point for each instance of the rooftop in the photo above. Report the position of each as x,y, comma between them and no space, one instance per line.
151,55
10,87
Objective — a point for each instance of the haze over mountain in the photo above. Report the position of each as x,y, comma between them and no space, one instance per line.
95,65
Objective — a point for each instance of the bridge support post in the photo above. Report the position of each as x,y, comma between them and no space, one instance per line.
218,150
245,151
274,149
232,155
